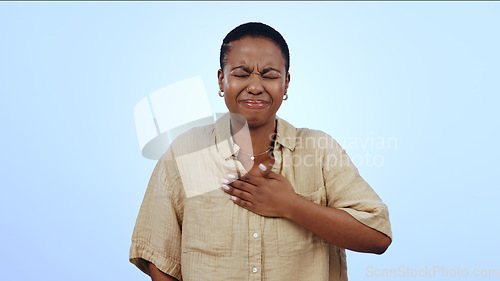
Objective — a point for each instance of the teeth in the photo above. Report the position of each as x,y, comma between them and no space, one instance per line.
255,101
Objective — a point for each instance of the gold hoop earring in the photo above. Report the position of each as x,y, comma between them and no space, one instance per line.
285,96
221,94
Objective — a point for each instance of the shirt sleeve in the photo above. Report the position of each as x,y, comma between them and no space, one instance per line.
347,190
157,232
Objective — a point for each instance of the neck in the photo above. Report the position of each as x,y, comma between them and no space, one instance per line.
253,140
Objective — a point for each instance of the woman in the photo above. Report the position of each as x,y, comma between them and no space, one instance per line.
251,197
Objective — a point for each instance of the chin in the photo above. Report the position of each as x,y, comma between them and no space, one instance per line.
257,120
253,117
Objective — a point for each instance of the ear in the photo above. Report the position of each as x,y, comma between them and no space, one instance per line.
220,76
287,81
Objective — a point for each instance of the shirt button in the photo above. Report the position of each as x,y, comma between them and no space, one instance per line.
254,269
255,235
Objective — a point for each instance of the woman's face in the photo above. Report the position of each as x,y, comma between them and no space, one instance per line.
254,80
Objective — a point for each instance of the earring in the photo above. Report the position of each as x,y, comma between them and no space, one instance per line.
285,96
221,94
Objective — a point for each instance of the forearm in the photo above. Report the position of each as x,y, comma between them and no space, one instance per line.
158,275
337,227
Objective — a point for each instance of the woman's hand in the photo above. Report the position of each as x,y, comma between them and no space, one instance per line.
266,193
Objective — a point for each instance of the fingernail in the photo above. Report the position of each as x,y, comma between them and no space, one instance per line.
231,176
225,187
262,167
224,181
233,198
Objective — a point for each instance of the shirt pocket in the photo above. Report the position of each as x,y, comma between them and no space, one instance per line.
208,226
294,239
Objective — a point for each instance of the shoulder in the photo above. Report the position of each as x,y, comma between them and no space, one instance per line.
315,139
303,133
306,138
195,139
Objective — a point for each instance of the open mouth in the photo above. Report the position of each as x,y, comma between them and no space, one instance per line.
254,104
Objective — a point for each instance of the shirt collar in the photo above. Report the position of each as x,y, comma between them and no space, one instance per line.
286,134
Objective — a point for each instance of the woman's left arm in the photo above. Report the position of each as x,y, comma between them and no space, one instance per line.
272,195
334,223
355,218
336,226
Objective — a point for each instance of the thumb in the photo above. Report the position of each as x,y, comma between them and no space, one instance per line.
266,172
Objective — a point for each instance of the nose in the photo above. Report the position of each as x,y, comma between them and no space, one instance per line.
255,84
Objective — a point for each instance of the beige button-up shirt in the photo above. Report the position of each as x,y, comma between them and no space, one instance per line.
190,229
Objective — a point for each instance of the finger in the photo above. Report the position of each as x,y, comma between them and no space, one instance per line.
242,203
243,195
229,178
242,185
267,173
236,192
264,170
253,180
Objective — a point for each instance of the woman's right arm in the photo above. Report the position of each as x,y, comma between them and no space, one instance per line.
157,233
158,275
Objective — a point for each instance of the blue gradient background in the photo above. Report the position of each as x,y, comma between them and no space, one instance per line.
73,178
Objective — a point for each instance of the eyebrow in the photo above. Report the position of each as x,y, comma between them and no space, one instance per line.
266,70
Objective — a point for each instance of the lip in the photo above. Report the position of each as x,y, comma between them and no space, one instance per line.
254,104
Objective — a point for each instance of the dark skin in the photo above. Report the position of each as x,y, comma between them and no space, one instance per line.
255,69
158,275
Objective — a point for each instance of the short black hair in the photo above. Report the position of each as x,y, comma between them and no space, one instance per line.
258,30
